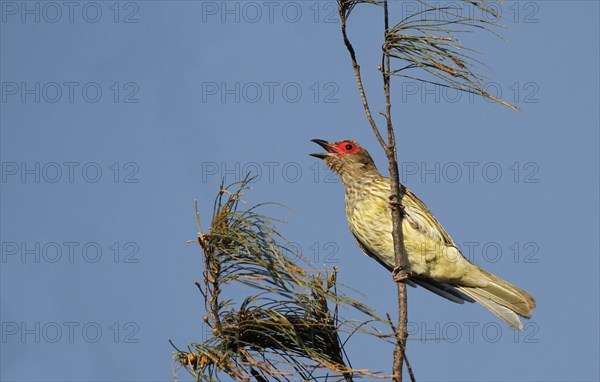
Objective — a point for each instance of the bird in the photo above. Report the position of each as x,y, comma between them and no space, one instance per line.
436,261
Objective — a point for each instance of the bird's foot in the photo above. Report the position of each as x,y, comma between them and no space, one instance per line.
395,204
400,274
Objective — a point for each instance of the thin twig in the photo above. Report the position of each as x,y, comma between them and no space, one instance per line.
197,284
361,89
410,370
408,366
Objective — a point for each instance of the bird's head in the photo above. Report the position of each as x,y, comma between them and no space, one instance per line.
347,159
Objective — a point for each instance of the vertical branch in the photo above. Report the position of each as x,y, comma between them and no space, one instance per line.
212,286
212,272
402,265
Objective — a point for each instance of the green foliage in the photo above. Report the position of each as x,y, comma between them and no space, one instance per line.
428,44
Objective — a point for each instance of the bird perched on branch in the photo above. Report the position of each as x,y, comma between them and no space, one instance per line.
435,260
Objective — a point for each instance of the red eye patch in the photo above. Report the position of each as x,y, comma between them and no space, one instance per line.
346,147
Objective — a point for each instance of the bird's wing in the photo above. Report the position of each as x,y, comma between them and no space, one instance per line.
441,289
369,253
422,219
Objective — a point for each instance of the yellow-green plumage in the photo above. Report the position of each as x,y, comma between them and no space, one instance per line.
435,259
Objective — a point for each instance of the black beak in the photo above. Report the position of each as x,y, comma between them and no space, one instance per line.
324,144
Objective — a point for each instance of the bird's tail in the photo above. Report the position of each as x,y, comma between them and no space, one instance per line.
503,299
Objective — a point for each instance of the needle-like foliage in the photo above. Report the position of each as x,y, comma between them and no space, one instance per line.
428,43
289,326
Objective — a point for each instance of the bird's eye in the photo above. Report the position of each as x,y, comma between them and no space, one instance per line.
348,147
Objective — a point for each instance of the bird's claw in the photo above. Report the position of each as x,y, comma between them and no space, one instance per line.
396,204
400,274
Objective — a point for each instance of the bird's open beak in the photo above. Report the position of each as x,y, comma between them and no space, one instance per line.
324,144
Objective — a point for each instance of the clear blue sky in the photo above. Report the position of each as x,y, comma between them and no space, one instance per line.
116,116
